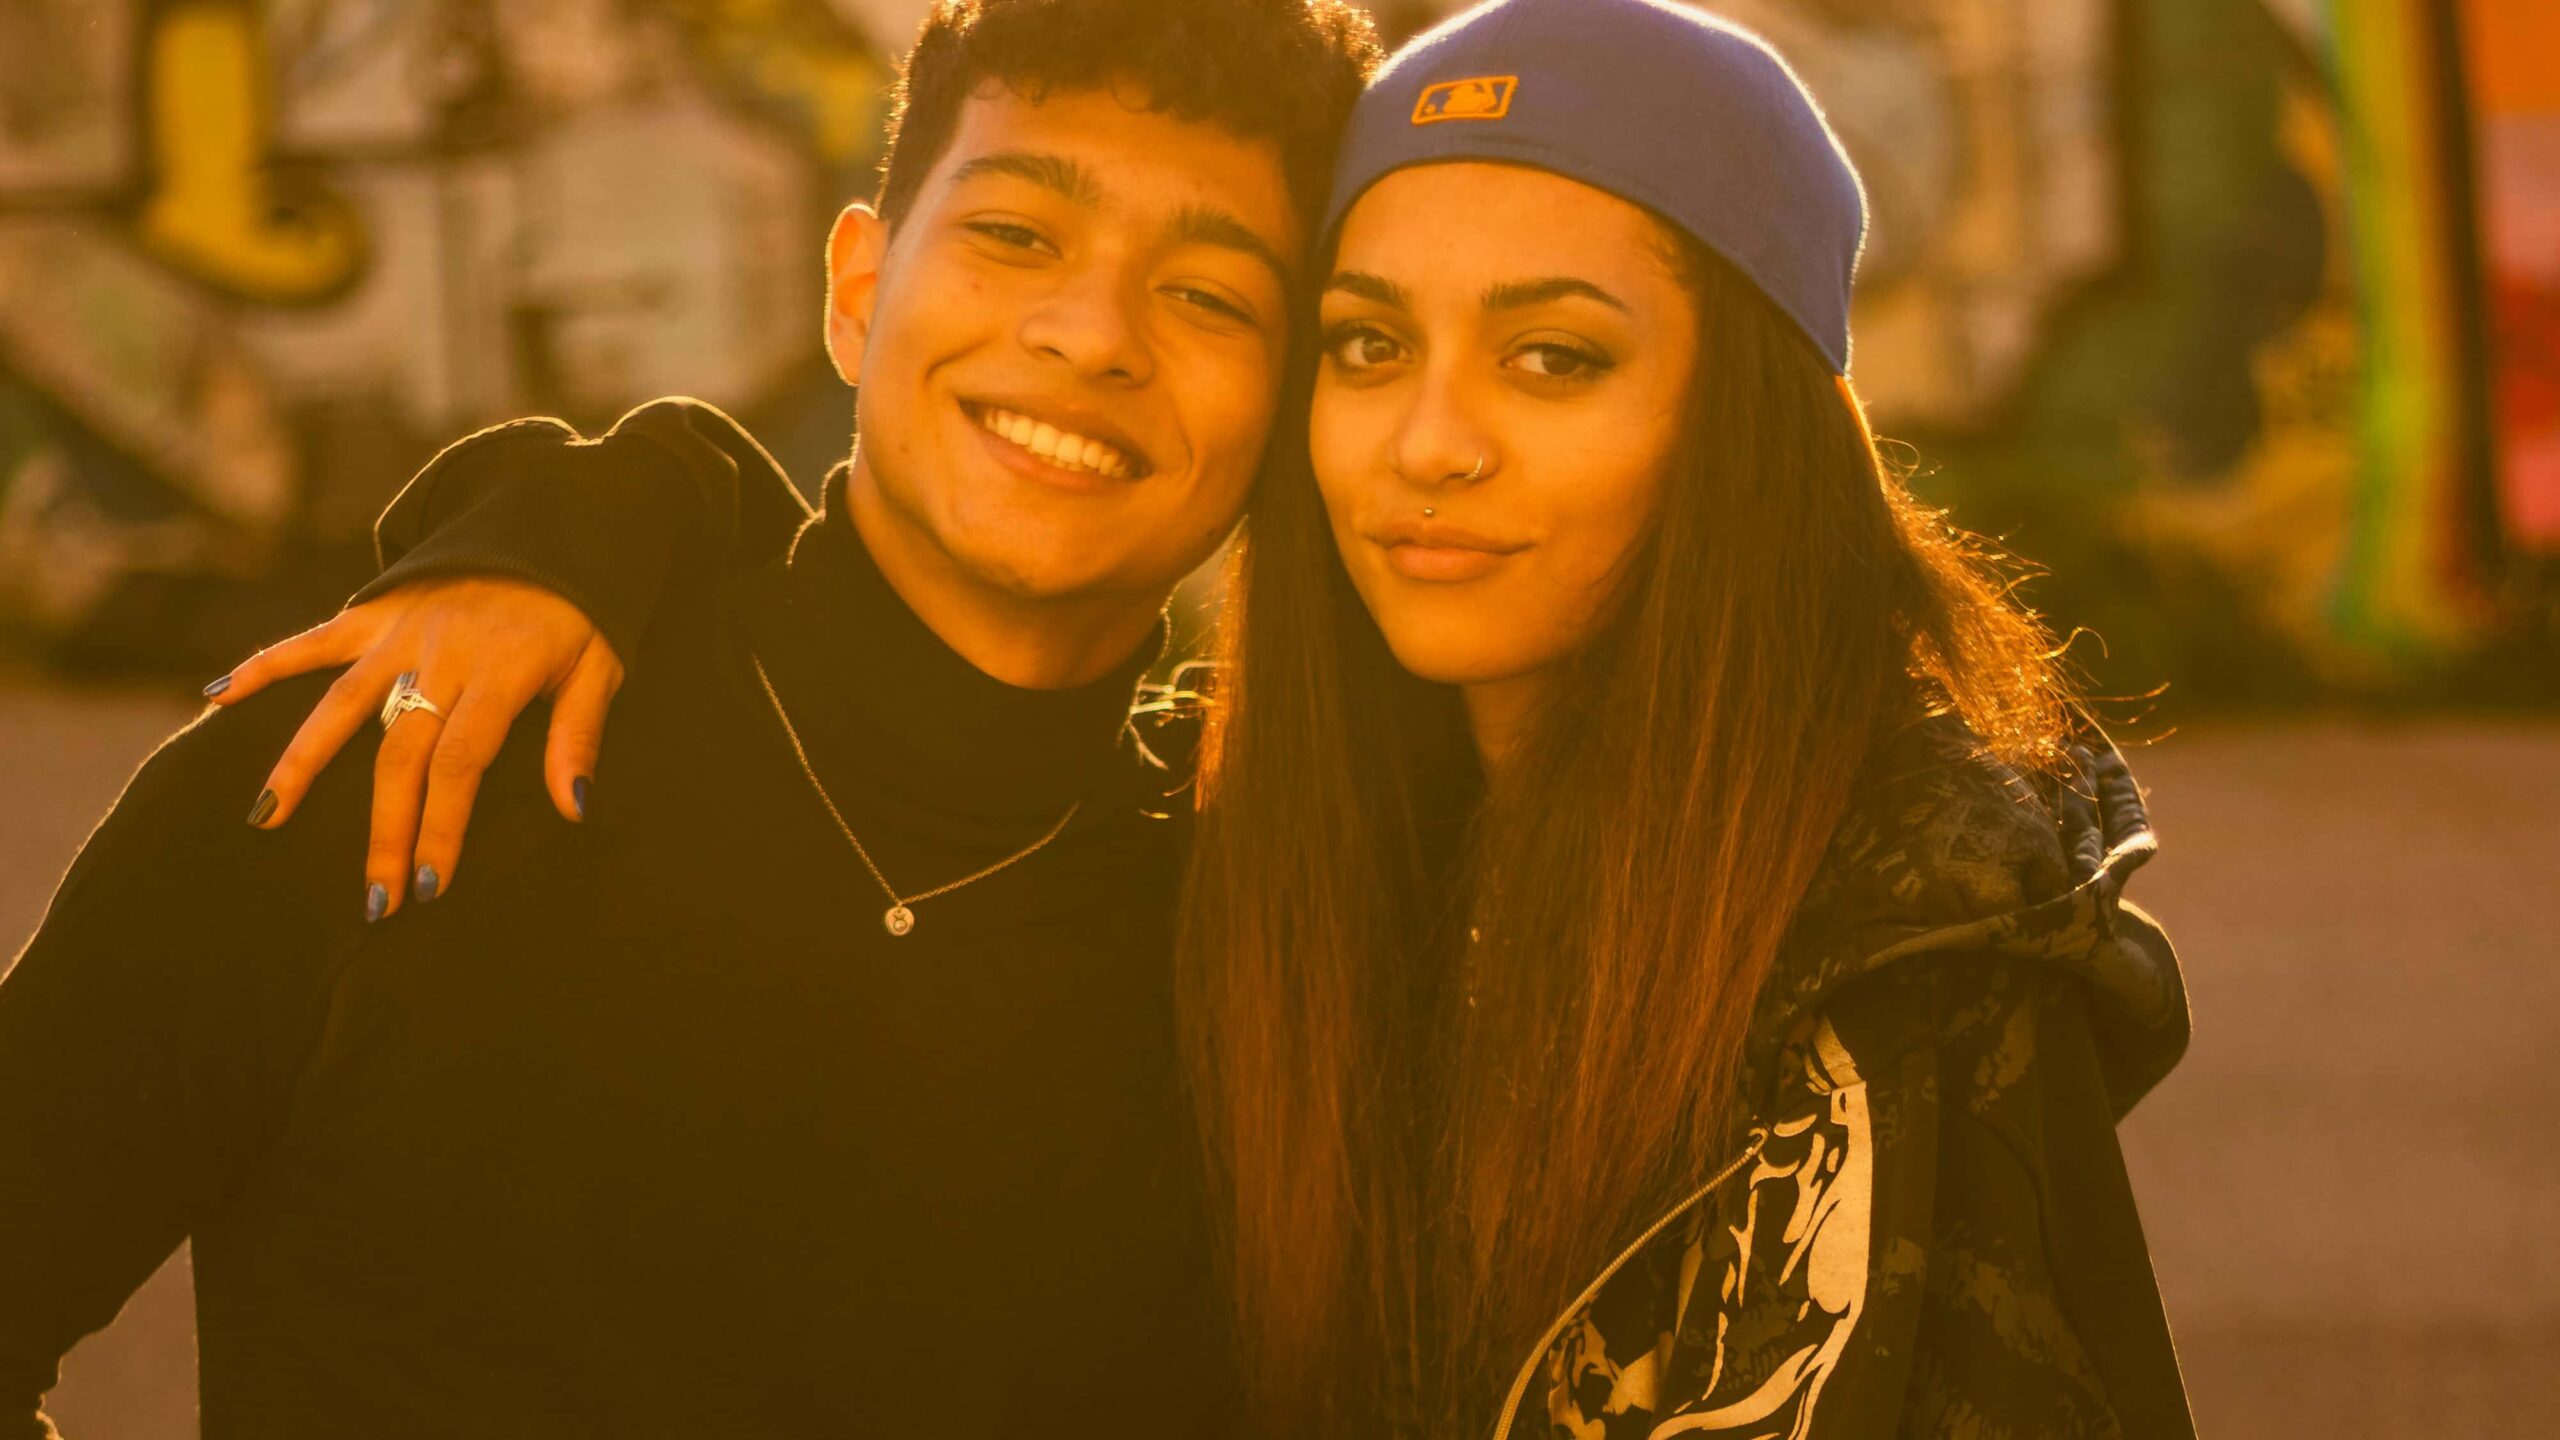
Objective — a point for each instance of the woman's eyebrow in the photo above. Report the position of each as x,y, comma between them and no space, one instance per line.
1374,288
1520,294
1509,295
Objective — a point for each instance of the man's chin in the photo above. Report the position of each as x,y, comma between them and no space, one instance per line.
1005,548
1045,573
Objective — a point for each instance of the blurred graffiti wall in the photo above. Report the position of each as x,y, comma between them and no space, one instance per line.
258,260
2237,316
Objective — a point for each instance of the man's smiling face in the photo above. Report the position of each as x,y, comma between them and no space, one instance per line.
1070,352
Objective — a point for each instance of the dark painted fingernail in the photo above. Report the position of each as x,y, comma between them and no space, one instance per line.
265,807
217,687
376,900
426,886
578,795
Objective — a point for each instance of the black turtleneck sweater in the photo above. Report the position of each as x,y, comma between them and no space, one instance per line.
648,1126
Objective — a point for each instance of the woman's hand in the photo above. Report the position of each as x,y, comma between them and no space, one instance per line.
483,649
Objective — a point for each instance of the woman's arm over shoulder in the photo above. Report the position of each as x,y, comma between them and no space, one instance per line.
523,562
676,489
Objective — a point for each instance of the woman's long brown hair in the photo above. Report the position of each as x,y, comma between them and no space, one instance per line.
1425,1147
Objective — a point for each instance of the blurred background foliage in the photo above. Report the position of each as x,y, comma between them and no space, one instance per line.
2241,318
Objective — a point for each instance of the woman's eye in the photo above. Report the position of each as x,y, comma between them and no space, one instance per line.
1561,362
1361,348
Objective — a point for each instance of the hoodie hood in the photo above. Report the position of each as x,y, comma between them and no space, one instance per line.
1946,852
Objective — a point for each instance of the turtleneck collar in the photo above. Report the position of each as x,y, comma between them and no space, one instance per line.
884,704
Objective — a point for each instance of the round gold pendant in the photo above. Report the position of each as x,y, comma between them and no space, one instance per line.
899,920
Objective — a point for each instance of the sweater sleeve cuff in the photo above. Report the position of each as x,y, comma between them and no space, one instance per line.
532,501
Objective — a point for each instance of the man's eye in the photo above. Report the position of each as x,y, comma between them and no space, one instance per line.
1358,347
1562,362
1017,237
1211,301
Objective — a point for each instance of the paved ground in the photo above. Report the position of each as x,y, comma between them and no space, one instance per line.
2354,1221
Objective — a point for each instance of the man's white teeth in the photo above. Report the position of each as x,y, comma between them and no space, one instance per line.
1058,447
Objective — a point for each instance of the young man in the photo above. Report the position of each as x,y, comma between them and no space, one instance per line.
821,1081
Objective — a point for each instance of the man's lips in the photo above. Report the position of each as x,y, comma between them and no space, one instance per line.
1077,441
1440,551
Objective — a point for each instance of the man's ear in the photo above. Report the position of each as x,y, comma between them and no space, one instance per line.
854,250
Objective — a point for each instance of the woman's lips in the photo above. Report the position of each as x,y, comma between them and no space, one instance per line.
1437,551
1443,564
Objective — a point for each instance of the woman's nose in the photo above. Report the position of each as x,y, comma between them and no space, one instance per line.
1440,442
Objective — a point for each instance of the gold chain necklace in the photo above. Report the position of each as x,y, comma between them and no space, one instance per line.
901,916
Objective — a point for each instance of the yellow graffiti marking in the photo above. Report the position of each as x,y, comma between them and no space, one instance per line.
214,211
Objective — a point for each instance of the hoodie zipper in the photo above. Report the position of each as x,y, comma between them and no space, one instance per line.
1538,1354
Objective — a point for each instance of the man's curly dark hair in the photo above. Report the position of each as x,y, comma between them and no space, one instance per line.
1283,71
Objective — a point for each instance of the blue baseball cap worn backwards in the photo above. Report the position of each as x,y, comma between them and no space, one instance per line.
1691,117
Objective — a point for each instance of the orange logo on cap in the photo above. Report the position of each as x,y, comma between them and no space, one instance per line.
1485,97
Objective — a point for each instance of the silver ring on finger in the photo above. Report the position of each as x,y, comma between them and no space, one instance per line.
405,697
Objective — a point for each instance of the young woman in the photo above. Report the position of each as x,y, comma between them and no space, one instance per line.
1652,960
1651,946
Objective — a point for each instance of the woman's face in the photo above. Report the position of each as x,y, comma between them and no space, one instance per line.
1509,351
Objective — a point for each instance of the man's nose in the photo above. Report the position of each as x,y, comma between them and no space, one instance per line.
1093,324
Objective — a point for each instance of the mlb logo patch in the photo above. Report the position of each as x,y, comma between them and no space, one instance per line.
1484,97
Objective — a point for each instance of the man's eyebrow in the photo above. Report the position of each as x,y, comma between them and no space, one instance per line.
1520,294
1195,224
1056,172
1209,225
1374,288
